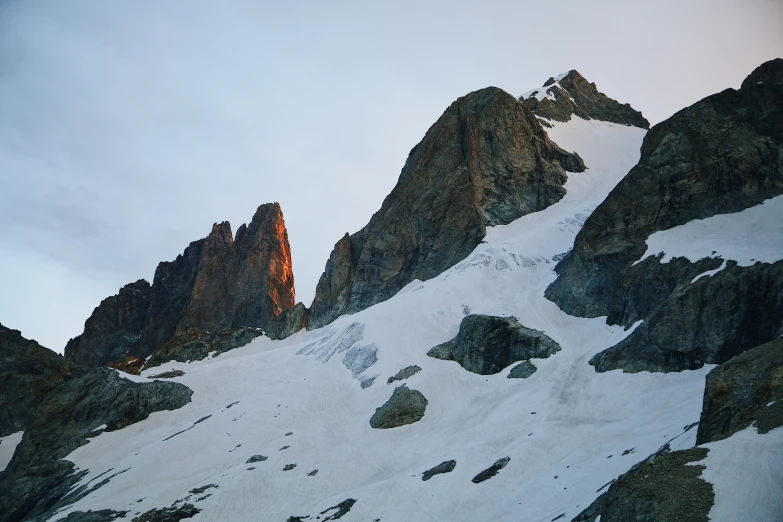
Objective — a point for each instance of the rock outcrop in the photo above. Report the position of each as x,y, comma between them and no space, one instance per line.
405,406
721,155
748,389
218,283
486,161
195,345
114,327
72,403
28,372
663,488
571,94
486,344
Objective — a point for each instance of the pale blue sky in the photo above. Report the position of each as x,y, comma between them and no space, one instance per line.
128,127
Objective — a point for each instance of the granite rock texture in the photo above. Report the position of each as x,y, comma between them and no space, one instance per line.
486,161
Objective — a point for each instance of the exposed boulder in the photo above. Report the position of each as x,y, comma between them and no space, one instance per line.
665,487
486,161
721,155
405,406
522,370
405,373
491,471
486,344
572,94
169,514
745,390
218,283
444,467
114,327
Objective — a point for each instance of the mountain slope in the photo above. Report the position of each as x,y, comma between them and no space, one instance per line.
722,155
540,423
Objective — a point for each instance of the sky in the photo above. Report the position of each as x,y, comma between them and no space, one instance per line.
128,127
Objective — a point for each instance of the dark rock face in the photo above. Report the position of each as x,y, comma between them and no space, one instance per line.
491,471
486,161
405,406
114,327
522,370
195,345
405,373
288,322
573,95
444,467
720,155
663,488
218,283
79,401
709,321
486,344
747,389
28,372
103,515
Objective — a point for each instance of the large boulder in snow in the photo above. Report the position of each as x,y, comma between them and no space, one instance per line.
486,161
219,282
571,94
487,344
405,406
747,389
721,155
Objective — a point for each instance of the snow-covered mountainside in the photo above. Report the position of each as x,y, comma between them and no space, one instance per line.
304,403
555,315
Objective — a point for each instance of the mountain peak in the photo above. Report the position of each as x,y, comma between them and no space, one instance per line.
570,93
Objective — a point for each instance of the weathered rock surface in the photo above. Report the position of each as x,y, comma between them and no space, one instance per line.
721,155
663,488
744,390
288,322
444,467
574,95
405,373
195,345
405,406
114,327
709,321
486,161
36,482
491,471
28,372
486,344
218,283
522,370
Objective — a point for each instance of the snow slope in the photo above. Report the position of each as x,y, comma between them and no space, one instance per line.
567,430
8,445
752,235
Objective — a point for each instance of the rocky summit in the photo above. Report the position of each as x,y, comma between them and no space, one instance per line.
217,283
570,94
486,161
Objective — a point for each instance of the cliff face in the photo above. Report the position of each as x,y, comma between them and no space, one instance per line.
721,155
571,94
217,283
486,161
